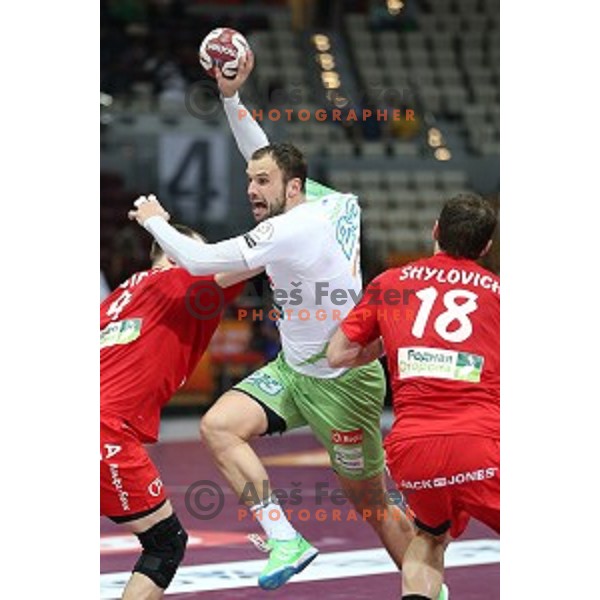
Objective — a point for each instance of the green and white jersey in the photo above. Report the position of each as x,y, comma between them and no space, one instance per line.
311,255
316,190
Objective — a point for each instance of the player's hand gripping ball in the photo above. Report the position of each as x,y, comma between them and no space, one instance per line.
223,48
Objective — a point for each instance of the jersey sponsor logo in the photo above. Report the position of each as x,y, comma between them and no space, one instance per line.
347,438
120,332
347,449
439,364
456,479
155,487
263,232
118,485
347,227
350,458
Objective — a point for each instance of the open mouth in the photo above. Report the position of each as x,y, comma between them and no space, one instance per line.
259,207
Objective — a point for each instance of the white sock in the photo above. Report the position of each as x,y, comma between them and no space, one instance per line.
274,521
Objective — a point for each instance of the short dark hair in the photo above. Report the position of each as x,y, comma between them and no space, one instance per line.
466,225
156,252
288,158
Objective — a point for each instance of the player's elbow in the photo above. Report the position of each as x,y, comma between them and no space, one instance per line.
335,360
336,356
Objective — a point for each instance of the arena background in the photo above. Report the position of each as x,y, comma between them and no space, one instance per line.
163,131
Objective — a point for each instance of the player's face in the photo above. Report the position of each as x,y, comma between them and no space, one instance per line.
266,190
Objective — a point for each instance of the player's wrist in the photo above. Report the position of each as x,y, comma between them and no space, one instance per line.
233,99
151,221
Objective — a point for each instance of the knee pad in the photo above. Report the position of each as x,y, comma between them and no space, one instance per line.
164,547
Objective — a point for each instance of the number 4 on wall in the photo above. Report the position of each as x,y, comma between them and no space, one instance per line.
197,160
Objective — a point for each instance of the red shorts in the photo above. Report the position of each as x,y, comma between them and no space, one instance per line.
130,484
446,480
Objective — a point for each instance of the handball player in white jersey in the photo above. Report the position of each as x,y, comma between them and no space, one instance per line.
308,242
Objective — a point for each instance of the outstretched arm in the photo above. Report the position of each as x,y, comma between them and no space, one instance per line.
226,280
248,134
276,239
195,257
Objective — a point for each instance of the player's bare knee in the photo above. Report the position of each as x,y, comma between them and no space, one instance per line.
164,547
437,537
213,428
219,433
234,417
439,541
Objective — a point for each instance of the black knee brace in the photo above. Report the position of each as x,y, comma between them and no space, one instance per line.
164,547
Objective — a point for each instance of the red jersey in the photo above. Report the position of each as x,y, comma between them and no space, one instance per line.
154,329
440,322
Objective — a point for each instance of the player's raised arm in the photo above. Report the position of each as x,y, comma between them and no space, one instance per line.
248,134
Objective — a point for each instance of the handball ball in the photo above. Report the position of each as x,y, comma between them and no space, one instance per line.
223,48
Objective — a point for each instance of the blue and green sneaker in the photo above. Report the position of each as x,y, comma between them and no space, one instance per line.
286,559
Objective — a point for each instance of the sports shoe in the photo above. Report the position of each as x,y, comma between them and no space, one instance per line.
286,559
444,593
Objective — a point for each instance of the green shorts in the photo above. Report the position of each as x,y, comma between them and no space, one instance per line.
344,413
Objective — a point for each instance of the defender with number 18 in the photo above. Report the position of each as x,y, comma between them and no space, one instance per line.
443,354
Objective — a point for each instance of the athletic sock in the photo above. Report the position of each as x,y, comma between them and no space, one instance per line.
274,520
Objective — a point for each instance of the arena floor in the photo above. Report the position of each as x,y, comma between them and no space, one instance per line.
221,563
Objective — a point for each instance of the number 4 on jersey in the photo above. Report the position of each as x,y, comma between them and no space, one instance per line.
114,310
